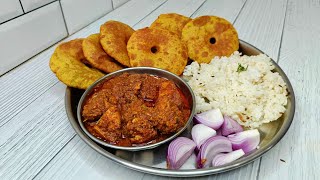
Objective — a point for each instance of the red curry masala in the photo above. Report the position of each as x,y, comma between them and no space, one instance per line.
135,109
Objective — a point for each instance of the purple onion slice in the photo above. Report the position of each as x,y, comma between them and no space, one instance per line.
225,158
230,126
210,148
212,118
179,151
200,133
219,133
245,140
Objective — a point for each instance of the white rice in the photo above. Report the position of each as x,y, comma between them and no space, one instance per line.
251,97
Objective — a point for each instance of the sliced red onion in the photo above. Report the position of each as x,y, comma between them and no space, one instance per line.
222,159
200,133
179,151
210,148
230,126
198,160
212,118
246,140
219,133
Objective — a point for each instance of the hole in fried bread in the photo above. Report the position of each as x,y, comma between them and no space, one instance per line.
154,49
212,40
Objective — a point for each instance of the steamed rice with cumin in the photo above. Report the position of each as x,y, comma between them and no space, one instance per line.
252,97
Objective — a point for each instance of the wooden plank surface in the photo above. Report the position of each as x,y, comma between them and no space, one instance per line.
32,145
297,155
187,8
261,24
228,9
79,161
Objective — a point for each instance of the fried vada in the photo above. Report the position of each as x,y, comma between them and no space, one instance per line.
114,36
172,22
209,36
97,57
157,48
67,63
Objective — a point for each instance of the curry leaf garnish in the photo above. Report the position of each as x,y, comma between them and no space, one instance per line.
241,68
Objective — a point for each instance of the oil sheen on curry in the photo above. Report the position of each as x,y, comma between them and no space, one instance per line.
135,110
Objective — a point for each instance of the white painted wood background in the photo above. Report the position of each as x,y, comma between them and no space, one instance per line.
37,141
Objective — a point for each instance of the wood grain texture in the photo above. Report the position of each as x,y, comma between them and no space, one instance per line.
34,126
79,161
44,132
261,23
187,8
297,155
118,3
228,9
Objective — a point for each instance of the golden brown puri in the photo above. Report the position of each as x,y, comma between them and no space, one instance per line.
172,22
67,63
114,36
72,48
97,57
209,36
157,48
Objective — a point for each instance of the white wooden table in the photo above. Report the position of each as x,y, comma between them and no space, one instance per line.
37,141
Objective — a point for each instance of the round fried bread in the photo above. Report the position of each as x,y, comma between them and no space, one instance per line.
74,49
71,48
157,48
114,36
66,63
172,22
96,56
209,36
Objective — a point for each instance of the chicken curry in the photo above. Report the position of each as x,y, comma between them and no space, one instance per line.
135,110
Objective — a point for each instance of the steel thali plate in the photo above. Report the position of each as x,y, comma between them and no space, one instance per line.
153,161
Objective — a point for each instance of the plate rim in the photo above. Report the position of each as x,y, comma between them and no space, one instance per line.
190,172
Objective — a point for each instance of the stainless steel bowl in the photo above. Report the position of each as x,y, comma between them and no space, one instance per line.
183,86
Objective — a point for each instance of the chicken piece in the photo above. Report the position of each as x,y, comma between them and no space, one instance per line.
123,90
132,110
169,121
169,95
140,131
94,107
169,117
150,88
109,125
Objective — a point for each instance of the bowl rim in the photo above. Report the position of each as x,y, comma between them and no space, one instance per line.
135,70
190,172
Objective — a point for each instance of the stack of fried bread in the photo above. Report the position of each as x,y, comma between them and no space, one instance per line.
168,44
